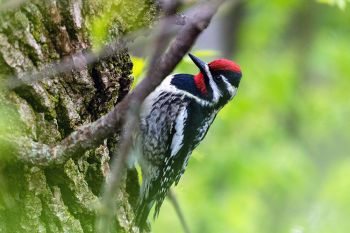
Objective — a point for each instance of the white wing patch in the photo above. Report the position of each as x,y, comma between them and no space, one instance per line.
177,141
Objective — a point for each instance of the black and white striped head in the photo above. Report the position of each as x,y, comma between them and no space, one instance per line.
218,80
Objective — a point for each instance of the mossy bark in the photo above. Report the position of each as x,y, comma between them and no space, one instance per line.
63,198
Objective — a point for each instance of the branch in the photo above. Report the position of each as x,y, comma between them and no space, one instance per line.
93,134
107,208
174,201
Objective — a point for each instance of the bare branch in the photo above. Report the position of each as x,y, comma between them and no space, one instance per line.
170,8
111,188
75,61
172,198
180,19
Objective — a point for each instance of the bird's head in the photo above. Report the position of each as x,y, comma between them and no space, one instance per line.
217,80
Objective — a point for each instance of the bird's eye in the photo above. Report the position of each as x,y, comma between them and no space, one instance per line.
218,77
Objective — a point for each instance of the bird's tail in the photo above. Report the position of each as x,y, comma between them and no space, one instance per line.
142,212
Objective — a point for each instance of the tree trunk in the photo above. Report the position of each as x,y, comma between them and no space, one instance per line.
62,198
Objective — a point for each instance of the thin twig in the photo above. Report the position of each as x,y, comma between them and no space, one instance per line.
110,190
170,8
172,198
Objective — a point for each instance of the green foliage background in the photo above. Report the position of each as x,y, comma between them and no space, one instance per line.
277,158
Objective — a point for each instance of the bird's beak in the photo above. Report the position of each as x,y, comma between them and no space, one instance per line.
199,63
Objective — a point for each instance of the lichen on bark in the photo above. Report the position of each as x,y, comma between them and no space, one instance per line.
62,198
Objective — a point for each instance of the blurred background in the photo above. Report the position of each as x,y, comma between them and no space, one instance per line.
276,159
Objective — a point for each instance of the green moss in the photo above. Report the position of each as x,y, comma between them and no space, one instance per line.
38,30
10,118
118,17
80,187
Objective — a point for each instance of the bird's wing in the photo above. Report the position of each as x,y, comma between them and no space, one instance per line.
163,138
173,161
158,126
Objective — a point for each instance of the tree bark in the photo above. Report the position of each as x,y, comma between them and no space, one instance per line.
63,198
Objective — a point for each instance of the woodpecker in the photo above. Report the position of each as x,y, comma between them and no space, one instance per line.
175,118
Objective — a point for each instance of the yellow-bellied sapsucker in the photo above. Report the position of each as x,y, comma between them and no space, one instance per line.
174,120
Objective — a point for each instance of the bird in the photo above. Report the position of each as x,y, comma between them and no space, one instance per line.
174,119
